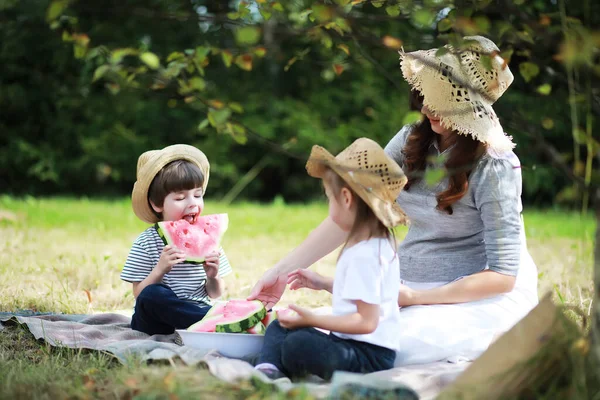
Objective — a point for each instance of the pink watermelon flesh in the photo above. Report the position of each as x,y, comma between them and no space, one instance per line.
196,240
271,316
233,316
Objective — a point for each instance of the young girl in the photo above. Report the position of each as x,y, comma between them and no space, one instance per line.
361,184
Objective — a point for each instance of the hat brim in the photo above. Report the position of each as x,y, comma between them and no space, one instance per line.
389,213
139,195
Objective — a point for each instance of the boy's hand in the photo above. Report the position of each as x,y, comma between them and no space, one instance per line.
300,319
211,264
170,256
304,278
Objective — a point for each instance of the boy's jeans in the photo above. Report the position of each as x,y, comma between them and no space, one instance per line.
309,351
158,310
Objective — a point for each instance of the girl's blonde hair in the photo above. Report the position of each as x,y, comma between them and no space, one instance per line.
364,214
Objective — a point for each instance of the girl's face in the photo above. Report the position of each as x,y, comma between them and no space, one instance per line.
341,207
436,126
184,204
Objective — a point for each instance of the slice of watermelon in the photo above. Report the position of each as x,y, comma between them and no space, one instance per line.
258,329
233,316
196,240
270,317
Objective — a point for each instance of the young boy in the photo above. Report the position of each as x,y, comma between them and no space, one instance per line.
169,293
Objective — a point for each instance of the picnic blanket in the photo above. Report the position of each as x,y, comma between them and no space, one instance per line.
111,332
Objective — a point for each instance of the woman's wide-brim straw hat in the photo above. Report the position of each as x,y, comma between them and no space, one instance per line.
150,163
369,172
459,89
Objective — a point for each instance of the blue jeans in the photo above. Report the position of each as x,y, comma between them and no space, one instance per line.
158,310
308,351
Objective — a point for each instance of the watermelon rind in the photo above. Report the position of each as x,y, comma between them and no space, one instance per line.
244,323
258,329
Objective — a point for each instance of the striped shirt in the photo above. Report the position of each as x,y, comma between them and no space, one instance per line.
188,281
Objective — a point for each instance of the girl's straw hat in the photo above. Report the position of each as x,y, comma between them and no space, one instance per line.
150,163
371,174
459,89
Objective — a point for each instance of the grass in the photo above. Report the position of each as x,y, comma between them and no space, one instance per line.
65,255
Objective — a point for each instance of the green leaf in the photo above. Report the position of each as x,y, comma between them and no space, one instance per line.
433,176
197,83
423,17
227,58
265,14
322,13
203,125
441,51
412,117
486,61
100,71
548,123
176,55
277,7
218,117
150,59
236,107
544,89
56,9
482,23
393,11
342,2
528,70
378,3
233,15
238,132
247,35
445,25
116,56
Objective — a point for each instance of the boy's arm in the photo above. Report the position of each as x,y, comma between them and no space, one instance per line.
216,266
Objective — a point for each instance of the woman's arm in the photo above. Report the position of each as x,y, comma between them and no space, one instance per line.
320,242
474,287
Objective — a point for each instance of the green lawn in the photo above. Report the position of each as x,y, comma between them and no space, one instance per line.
54,252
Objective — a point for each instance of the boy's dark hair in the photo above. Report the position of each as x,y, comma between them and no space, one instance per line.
175,176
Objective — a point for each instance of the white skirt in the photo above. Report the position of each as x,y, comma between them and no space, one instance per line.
455,332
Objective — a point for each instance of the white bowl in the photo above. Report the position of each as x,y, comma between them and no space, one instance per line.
233,345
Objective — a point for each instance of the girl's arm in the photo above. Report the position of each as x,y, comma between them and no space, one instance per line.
363,321
474,287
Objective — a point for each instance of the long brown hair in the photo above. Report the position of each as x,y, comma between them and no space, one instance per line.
364,213
459,164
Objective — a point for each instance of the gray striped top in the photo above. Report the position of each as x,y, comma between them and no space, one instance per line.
186,280
483,232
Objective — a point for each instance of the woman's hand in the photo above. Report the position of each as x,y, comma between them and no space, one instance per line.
301,318
304,278
269,289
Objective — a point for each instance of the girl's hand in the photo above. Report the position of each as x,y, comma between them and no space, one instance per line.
170,256
304,278
302,318
211,264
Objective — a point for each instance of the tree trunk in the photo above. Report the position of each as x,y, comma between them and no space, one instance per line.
595,328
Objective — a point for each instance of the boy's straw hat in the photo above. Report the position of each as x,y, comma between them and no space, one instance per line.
150,163
371,174
460,90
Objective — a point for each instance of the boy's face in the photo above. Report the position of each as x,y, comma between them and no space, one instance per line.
184,204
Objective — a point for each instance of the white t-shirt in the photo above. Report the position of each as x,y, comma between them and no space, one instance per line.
369,272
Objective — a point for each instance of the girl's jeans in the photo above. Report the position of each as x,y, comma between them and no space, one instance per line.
308,351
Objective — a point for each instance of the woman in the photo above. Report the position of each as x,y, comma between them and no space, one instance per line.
467,275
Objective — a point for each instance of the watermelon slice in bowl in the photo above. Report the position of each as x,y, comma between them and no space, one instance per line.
234,328
196,240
